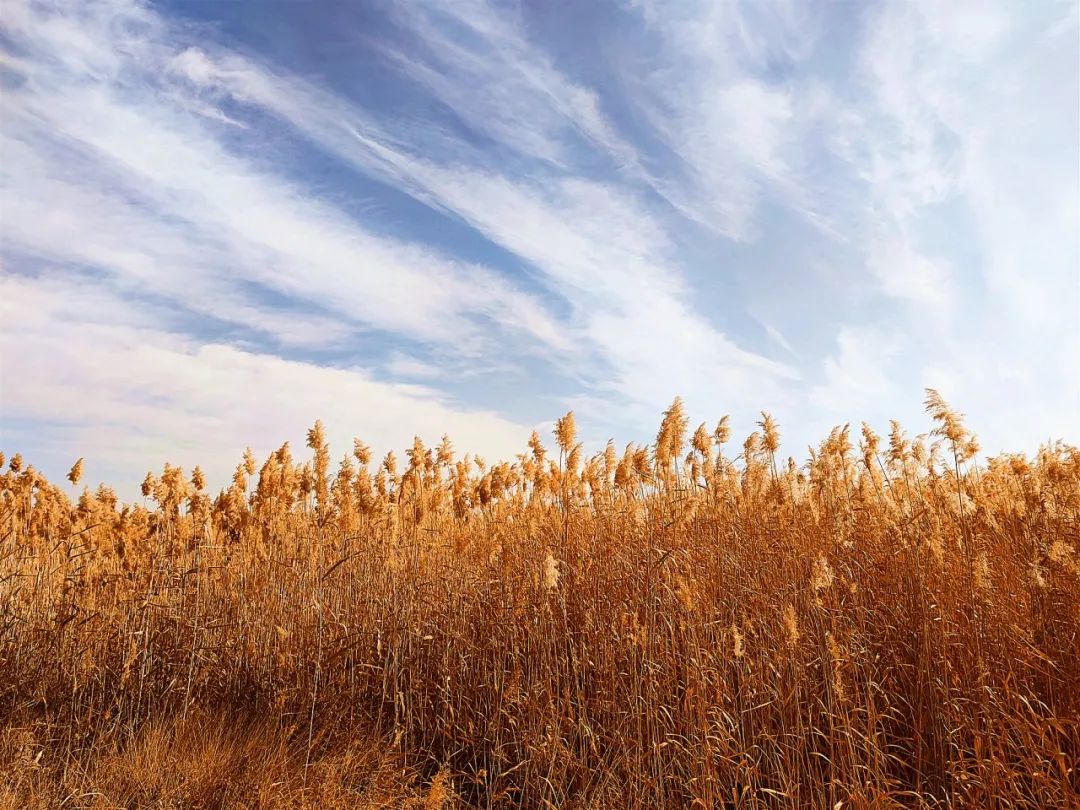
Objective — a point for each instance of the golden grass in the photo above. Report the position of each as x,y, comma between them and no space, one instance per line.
877,627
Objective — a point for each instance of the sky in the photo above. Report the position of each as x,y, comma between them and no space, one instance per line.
221,221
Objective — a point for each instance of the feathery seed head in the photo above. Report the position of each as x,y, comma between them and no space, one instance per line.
898,444
770,433
737,639
537,448
791,624
316,435
249,462
672,434
566,432
823,576
389,464
551,572
702,441
361,452
445,452
950,425
722,434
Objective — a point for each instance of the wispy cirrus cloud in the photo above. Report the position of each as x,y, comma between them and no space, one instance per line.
595,244
721,92
147,159
974,197
502,84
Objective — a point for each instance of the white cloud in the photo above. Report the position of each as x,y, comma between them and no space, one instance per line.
79,225
857,376
505,86
104,382
594,243
152,161
921,280
778,338
739,137
402,366
970,131
757,118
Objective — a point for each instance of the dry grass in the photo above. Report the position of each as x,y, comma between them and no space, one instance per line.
878,627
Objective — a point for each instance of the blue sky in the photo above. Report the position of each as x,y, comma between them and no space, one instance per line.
222,220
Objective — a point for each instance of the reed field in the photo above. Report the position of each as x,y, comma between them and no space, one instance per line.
890,622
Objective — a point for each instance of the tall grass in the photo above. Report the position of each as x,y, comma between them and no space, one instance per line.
887,624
